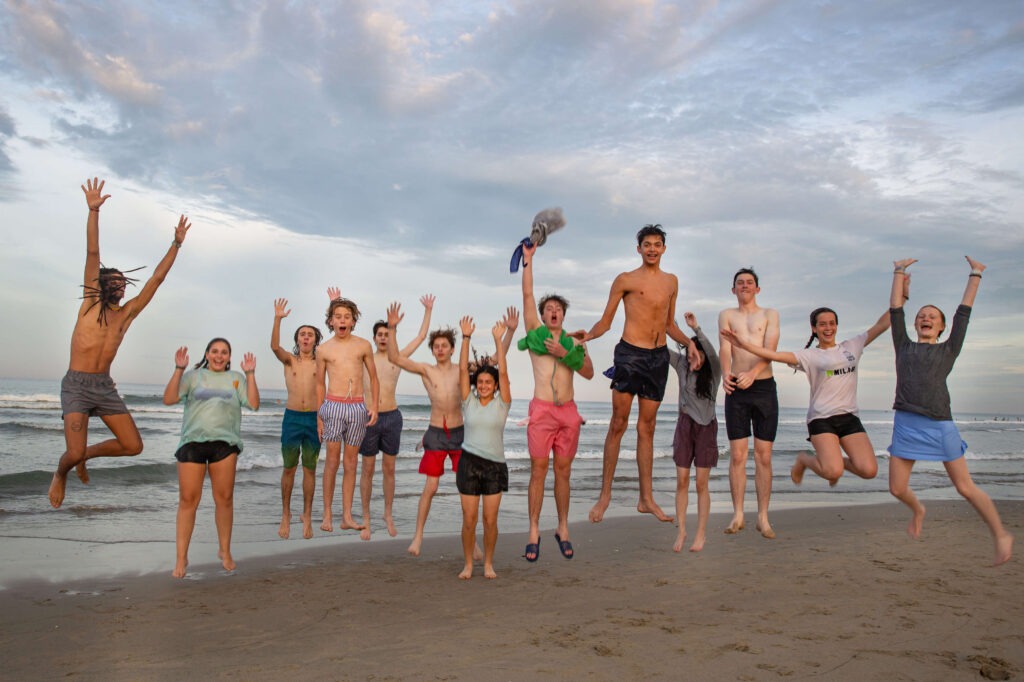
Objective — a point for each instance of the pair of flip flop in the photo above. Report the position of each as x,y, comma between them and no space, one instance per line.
564,546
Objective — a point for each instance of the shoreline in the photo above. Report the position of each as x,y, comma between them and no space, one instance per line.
841,593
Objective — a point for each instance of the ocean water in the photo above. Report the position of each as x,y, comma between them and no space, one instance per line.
126,514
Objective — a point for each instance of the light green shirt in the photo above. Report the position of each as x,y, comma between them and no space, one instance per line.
213,406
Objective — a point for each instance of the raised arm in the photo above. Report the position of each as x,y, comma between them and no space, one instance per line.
900,282
171,393
94,198
532,318
428,306
509,322
973,282
759,351
281,311
136,305
252,392
676,334
393,319
881,324
467,328
501,351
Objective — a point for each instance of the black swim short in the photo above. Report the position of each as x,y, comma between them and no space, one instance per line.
842,425
209,452
640,371
479,476
757,406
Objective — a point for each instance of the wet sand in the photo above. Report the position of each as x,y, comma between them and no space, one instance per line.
841,594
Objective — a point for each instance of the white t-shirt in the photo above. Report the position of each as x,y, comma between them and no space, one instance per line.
832,373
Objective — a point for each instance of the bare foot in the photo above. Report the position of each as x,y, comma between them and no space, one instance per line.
226,561
466,573
348,523
83,473
328,524
364,534
414,548
797,472
735,527
765,530
489,572
678,545
698,543
285,530
307,526
1004,548
179,568
57,485
392,531
652,508
598,510
916,522
477,554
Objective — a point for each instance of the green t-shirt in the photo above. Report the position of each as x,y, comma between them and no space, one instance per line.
534,340
213,406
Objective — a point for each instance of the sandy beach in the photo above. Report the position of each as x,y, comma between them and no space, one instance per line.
841,594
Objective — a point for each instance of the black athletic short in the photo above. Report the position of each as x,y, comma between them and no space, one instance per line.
640,371
479,476
842,425
209,452
757,406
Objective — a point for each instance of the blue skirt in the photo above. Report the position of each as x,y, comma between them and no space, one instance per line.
915,436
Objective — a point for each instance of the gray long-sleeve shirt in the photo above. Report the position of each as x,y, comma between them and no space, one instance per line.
922,368
700,410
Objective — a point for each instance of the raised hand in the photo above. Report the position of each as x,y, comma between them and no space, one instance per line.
498,330
691,320
249,363
281,308
181,357
333,293
394,314
94,196
182,229
905,263
466,326
511,319
428,301
975,265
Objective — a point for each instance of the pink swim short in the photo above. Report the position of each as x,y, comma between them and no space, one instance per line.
553,428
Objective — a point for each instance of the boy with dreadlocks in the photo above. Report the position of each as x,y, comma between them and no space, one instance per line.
298,427
87,388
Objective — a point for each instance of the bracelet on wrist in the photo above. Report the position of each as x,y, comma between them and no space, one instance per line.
975,274
181,367
899,271
94,210
176,244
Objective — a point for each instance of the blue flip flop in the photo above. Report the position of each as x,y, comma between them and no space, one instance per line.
565,547
534,549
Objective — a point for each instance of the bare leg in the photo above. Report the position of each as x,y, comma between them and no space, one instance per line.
350,460
491,504
222,480
331,466
388,466
190,490
827,461
621,403
763,485
703,508
308,489
862,460
470,510
423,510
126,443
287,482
366,492
737,482
899,479
982,503
645,422
563,471
535,496
682,500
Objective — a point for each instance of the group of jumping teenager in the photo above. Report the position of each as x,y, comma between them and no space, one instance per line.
342,392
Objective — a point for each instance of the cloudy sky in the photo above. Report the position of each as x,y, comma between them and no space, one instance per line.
398,148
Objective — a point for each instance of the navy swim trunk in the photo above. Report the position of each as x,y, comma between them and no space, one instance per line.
640,371
384,436
757,406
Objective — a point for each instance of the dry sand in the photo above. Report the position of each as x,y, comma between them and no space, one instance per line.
842,594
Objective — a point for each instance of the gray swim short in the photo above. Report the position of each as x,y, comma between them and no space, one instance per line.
91,394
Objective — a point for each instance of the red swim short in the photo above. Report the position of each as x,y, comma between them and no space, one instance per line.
553,428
